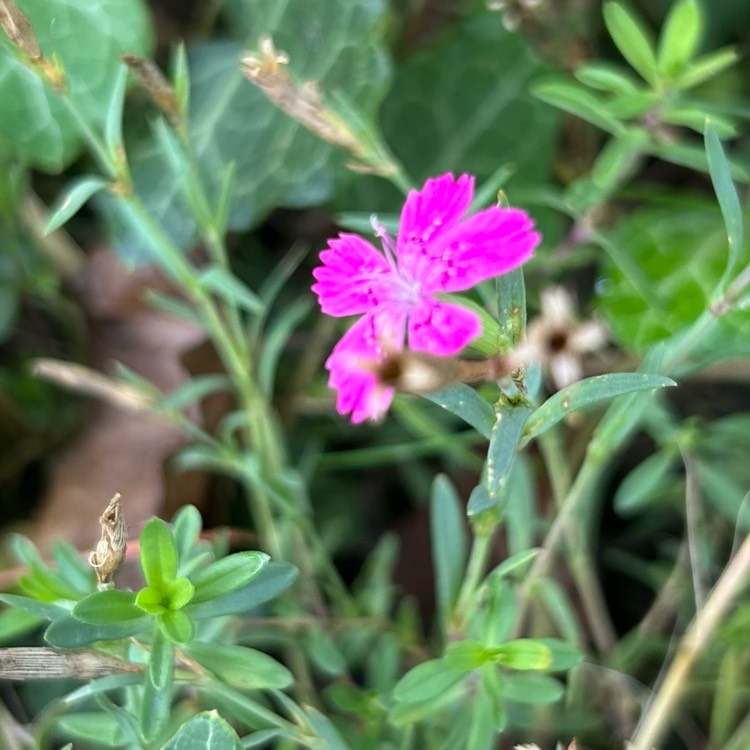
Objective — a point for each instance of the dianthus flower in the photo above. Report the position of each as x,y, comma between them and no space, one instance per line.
437,251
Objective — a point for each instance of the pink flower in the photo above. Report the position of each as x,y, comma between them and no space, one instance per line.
437,251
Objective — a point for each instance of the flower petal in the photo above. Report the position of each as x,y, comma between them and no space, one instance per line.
442,328
487,244
427,214
352,366
354,277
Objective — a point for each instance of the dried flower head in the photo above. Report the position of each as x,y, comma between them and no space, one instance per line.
110,549
154,83
557,340
436,251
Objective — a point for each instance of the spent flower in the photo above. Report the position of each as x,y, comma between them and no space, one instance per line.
398,292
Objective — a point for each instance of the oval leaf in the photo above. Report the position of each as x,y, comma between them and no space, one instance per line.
72,201
227,575
158,553
107,607
426,681
207,731
632,39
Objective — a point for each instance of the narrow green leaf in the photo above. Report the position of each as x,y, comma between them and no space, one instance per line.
523,654
644,483
513,563
193,391
577,100
73,568
483,728
205,731
606,77
107,607
45,610
467,655
267,584
504,442
101,685
161,660
324,652
158,553
46,583
325,729
632,39
708,66
467,404
90,726
427,681
680,37
187,525
726,193
176,625
227,575
75,196
113,122
69,632
695,117
587,392
510,290
172,306
226,285
261,737
448,541
618,160
532,688
241,667
565,655
16,622
156,705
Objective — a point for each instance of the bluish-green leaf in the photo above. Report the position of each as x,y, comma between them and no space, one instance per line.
158,553
241,667
532,688
644,483
205,731
194,391
72,200
448,542
325,729
161,660
224,284
91,727
45,610
427,681
467,404
632,39
504,442
323,651
176,625
680,36
156,705
69,632
107,607
726,194
510,290
73,568
16,622
587,392
113,120
187,528
227,575
267,584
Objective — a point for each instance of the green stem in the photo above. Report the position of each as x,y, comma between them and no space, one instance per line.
475,569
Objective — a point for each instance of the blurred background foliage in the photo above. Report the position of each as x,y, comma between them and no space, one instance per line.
455,85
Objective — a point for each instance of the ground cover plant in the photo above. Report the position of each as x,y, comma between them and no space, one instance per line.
374,375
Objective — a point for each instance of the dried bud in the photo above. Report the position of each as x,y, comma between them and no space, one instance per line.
17,27
303,103
110,549
156,86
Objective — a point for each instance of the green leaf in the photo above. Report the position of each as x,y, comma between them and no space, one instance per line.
467,404
158,553
224,284
510,290
504,441
69,632
726,194
46,583
35,119
267,584
522,654
513,563
538,689
227,575
73,568
16,622
179,593
194,391
161,661
644,483
695,117
107,607
632,39
156,705
606,77
618,160
707,66
323,651
75,196
176,625
479,117
241,667
45,610
587,392
98,686
448,542
325,729
205,731
427,681
113,122
187,525
579,101
484,720
151,600
680,37
90,726
565,655
467,655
